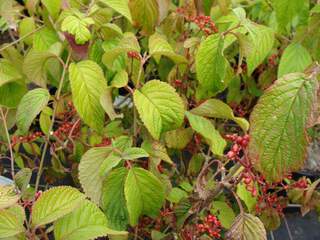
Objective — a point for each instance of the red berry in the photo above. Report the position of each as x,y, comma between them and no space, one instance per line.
231,155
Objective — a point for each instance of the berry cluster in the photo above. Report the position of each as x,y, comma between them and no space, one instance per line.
268,201
25,139
249,180
211,225
133,54
69,112
302,183
273,60
179,84
240,143
105,142
205,23
239,111
65,129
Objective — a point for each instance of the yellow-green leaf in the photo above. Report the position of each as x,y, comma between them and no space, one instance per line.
89,172
178,138
86,222
278,125
79,27
262,39
10,224
87,85
295,58
159,106
54,204
53,7
144,194
206,129
145,14
30,106
247,227
8,196
121,6
26,26
113,200
159,46
214,108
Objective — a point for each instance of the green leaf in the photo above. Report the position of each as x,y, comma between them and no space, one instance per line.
206,129
30,106
278,125
120,79
89,172
107,104
86,222
19,213
211,65
53,7
79,27
22,178
45,120
195,164
246,197
10,224
176,195
178,138
157,150
262,39
145,14
113,199
224,213
159,46
120,6
214,108
144,194
26,26
34,66
134,153
271,219
111,31
44,39
156,235
12,86
247,227
54,204
11,94
122,142
8,196
115,50
87,85
295,58
110,162
159,106
8,72
286,11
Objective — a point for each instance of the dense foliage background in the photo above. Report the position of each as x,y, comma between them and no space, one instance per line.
156,119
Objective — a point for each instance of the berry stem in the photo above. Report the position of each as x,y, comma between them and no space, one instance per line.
3,117
65,66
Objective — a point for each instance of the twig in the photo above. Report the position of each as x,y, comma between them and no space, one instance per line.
136,232
238,202
3,116
65,66
231,29
20,39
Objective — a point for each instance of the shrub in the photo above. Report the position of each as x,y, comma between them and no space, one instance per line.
167,119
